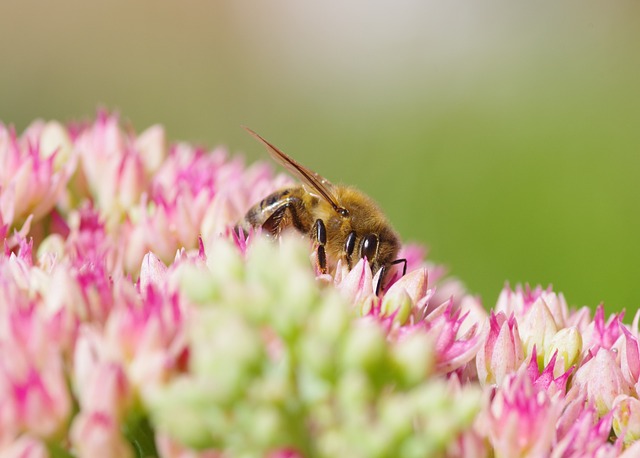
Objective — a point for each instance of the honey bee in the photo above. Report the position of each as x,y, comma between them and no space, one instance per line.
344,223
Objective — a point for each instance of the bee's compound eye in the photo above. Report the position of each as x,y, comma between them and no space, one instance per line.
369,246
350,243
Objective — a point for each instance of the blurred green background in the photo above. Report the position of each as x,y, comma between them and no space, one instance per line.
503,135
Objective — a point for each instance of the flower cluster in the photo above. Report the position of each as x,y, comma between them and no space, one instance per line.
134,322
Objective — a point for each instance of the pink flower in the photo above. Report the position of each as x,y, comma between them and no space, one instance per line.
146,334
546,380
519,301
520,419
601,334
25,446
34,397
105,389
98,435
153,272
626,418
629,356
408,294
453,349
501,354
357,285
31,178
112,165
601,379
582,433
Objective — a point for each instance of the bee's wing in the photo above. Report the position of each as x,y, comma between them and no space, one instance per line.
319,184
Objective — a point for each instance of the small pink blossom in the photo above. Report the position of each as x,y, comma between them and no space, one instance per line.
519,419
518,301
34,397
358,283
31,180
629,356
601,379
626,418
453,349
97,435
153,272
501,353
25,446
600,333
145,333
105,389
582,433
546,380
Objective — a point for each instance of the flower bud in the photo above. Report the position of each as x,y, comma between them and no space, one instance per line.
626,418
365,347
537,329
414,284
151,145
153,271
630,357
397,304
501,353
358,283
413,357
568,344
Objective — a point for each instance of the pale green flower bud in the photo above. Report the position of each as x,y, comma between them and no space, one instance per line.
365,347
413,357
568,343
152,145
626,418
354,391
180,409
227,349
198,284
399,303
224,261
52,245
55,139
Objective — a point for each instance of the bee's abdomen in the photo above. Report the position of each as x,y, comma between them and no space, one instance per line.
257,214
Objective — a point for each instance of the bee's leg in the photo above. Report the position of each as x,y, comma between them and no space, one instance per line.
288,212
404,267
273,225
383,271
319,234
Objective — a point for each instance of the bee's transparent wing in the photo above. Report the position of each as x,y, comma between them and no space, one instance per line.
319,184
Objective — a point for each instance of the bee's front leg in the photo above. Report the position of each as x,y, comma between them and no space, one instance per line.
319,234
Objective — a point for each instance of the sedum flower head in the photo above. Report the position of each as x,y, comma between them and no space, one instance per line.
134,322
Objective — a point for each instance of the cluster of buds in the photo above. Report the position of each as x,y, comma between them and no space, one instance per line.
286,365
